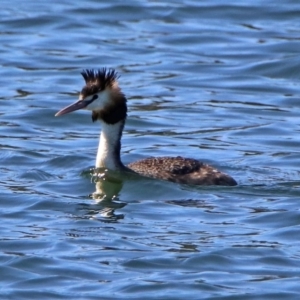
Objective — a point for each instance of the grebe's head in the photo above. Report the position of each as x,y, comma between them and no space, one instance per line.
102,95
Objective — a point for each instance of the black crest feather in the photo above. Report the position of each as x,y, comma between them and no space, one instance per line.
98,80
104,77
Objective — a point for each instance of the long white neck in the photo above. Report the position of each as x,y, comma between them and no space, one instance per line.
108,155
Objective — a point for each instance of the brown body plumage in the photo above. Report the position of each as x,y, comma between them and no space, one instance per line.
103,97
181,170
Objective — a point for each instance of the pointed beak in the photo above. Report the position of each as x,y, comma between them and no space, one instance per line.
80,104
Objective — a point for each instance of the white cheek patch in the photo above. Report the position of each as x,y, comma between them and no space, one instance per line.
99,103
89,98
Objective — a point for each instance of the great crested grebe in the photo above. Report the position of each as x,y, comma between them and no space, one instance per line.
103,96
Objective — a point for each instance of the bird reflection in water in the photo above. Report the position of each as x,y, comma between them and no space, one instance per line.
108,185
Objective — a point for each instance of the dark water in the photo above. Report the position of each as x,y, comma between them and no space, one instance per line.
209,80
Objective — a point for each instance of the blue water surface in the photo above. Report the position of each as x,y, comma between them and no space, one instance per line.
210,80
